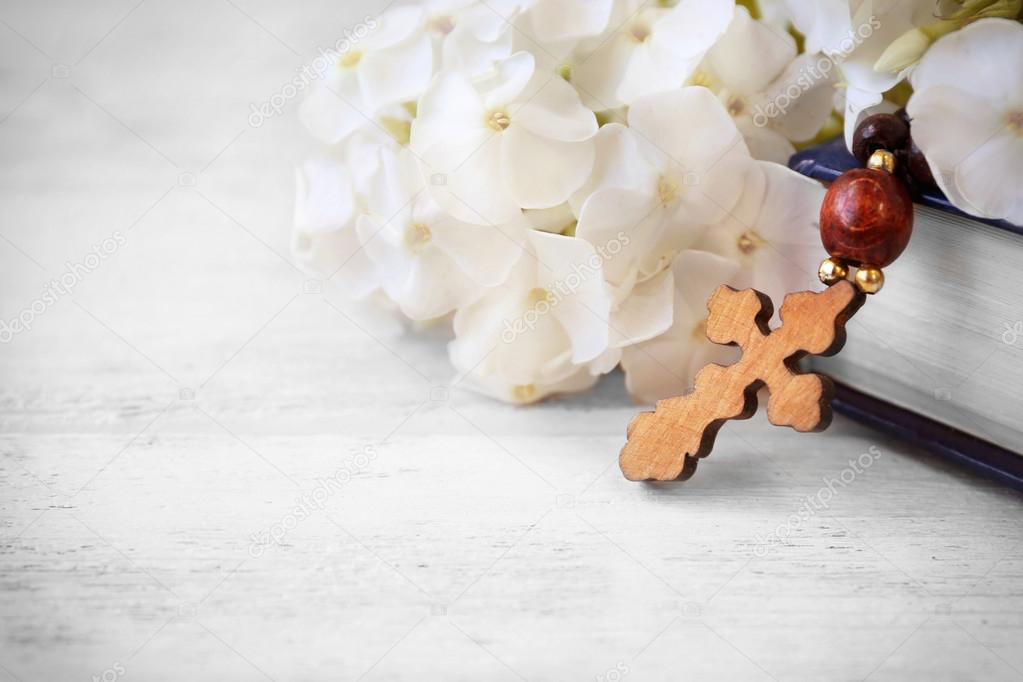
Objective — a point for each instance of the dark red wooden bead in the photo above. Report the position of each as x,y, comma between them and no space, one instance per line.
880,131
918,168
866,218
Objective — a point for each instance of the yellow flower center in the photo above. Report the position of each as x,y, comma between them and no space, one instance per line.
538,294
749,241
702,78
640,33
350,60
667,189
1015,120
736,105
443,25
417,236
524,393
499,121
401,131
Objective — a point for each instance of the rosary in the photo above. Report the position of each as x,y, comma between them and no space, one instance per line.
866,222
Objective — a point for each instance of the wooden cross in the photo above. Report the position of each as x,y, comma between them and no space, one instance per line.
666,444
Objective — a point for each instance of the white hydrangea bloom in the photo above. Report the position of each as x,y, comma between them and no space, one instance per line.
649,49
659,156
332,191
519,139
667,364
648,201
563,22
534,335
773,232
825,24
470,36
775,96
874,26
464,172
428,262
967,111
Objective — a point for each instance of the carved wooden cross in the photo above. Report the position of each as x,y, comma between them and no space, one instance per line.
667,444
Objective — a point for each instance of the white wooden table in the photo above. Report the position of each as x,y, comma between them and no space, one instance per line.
196,394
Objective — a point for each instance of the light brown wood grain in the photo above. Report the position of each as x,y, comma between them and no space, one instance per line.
666,444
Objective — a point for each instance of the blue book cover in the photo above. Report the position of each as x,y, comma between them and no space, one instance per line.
825,163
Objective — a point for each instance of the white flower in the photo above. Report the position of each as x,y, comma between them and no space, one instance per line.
680,151
773,233
874,26
655,188
331,192
775,97
666,365
825,24
553,22
428,262
533,335
775,13
559,219
967,111
392,65
520,139
647,202
471,37
650,49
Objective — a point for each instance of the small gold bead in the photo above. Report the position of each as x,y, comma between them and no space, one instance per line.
832,271
869,279
882,160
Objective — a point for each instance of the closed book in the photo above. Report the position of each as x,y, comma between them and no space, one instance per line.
937,355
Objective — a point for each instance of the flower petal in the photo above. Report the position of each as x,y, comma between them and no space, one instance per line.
557,20
940,109
334,110
618,164
510,78
750,54
485,253
689,125
398,74
974,59
555,112
324,200
540,172
450,110
571,270
474,189
647,312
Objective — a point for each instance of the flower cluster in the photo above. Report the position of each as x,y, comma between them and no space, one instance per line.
954,65
566,181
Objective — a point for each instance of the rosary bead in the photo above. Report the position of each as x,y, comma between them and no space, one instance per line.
832,271
880,131
882,160
918,168
869,279
866,217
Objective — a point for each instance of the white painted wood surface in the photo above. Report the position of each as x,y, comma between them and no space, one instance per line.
195,388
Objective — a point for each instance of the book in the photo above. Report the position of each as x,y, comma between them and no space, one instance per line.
937,356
